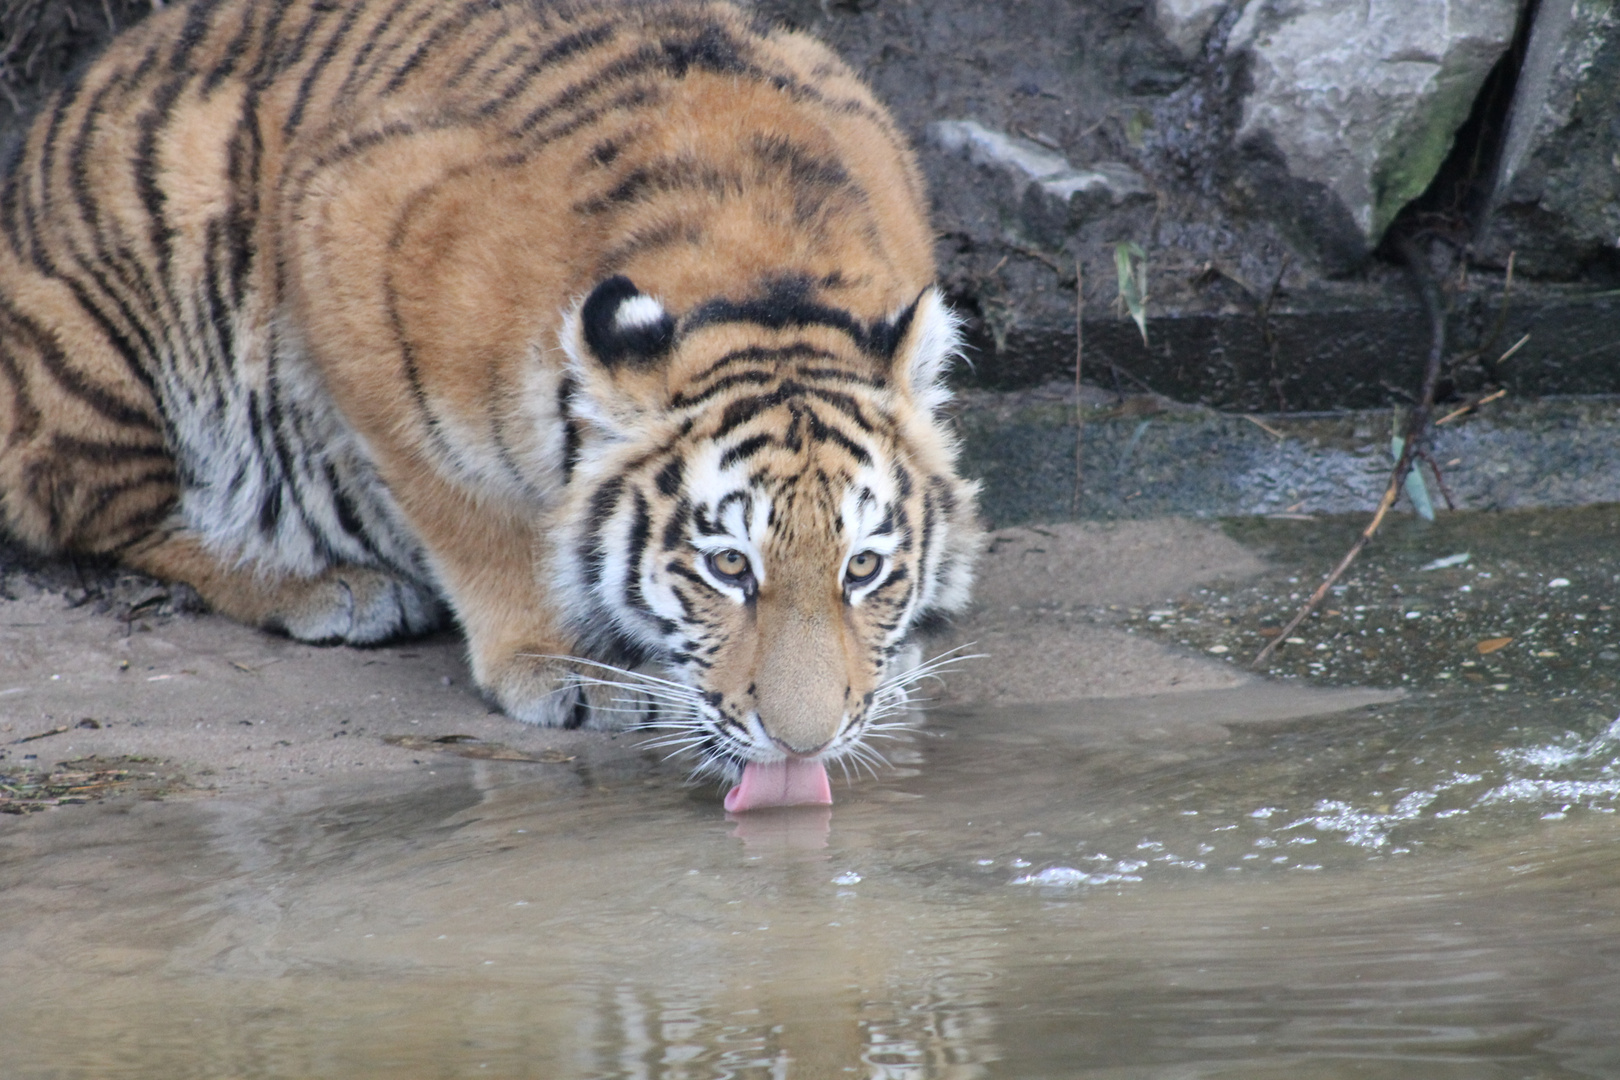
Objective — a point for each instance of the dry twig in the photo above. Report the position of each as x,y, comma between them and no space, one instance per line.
1079,405
1413,446
1464,410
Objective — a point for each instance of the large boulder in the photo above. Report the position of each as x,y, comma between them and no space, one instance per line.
1557,196
1363,99
1256,150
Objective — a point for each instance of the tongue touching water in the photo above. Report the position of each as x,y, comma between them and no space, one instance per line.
1250,883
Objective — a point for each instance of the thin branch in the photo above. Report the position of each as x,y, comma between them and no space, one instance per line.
1412,448
1079,405
1439,478
1265,427
1390,495
1464,410
1269,333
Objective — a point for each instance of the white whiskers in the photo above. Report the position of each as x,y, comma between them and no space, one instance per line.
682,717
897,693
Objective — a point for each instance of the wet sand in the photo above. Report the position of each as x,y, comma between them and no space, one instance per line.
233,710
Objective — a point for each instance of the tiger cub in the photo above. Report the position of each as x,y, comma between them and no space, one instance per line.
607,325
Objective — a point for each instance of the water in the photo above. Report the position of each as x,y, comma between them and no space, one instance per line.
1120,889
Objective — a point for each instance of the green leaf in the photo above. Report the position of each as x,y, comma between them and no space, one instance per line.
1130,265
1415,488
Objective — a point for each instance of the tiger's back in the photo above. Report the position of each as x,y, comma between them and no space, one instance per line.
338,310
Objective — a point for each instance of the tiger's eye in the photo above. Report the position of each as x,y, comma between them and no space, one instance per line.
729,563
863,567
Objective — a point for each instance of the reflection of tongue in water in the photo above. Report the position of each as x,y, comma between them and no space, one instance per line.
789,782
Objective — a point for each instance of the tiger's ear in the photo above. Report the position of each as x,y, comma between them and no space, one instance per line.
928,337
621,325
615,341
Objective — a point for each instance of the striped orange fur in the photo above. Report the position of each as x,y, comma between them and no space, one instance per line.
605,327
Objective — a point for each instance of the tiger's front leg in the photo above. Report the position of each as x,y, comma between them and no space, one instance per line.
487,556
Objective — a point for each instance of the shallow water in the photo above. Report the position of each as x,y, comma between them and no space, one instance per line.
1119,889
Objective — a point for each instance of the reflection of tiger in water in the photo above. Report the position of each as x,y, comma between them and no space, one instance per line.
610,324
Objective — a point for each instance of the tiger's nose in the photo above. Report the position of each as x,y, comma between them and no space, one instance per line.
798,751
801,682
802,703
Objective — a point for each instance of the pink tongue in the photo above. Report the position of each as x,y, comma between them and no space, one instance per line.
789,782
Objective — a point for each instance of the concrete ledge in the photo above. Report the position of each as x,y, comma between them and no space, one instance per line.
1148,457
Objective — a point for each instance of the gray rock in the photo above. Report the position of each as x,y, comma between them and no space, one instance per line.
1033,170
1184,23
1557,194
1364,99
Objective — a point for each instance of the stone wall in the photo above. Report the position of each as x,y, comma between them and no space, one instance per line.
1261,152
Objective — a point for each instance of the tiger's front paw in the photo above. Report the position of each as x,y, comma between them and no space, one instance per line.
353,605
555,690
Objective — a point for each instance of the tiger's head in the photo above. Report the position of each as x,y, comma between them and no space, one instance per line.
762,500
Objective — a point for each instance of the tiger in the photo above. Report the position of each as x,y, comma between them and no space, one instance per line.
607,329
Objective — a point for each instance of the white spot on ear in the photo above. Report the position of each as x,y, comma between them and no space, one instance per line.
639,310
935,340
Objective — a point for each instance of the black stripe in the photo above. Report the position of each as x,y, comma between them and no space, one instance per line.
357,62
687,611
648,58
412,370
376,60
144,167
348,515
744,450
108,494
592,554
666,175
675,526
824,432
755,377
235,48
693,576
644,241
102,260
312,74
453,26
640,532
843,403
787,304
280,52
481,52
139,527
669,478
705,525
843,375
56,364
552,55
105,452
270,511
